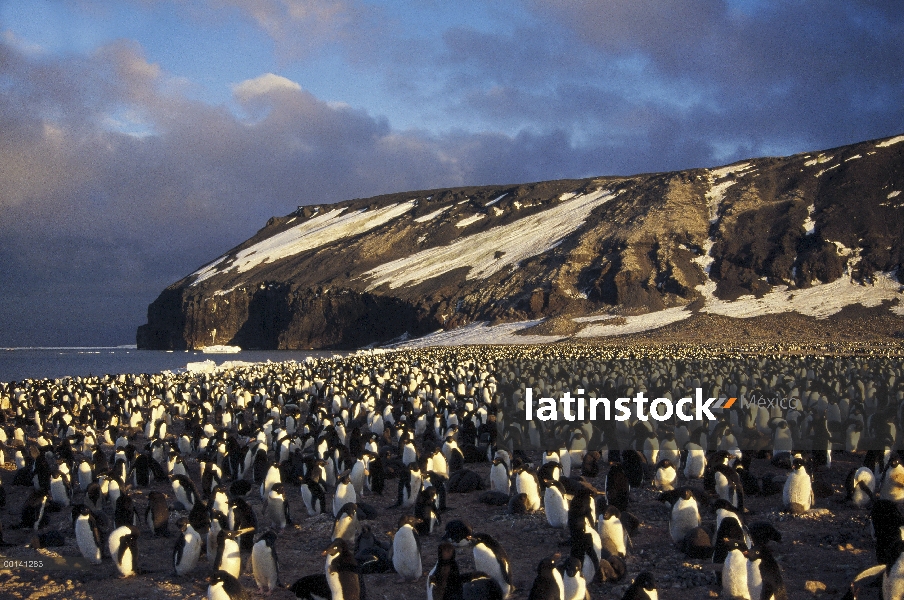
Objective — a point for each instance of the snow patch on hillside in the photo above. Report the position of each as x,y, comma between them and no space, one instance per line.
637,323
432,215
890,142
469,220
480,333
820,301
318,231
490,251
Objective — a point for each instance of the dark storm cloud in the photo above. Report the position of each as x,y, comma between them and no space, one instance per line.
698,83
96,222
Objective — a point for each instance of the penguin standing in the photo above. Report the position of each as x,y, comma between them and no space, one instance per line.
345,493
499,477
87,536
684,516
860,486
490,558
276,507
123,544
156,515
228,558
617,487
573,582
218,522
444,579
185,491
798,491
313,494
425,509
34,512
555,504
224,586
695,463
60,491
735,571
264,563
406,549
612,532
526,483
342,572
548,584
345,525
187,549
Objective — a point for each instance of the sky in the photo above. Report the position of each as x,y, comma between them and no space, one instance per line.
141,139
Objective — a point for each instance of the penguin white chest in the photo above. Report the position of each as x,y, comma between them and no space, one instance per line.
575,588
893,581
405,555
485,560
734,576
232,560
556,507
84,537
263,566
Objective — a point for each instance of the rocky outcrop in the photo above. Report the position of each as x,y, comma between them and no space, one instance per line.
371,270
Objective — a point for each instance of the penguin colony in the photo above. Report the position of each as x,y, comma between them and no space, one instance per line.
364,457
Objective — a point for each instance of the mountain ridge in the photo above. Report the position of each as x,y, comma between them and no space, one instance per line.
748,238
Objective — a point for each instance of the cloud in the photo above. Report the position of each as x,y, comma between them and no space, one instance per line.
98,220
263,85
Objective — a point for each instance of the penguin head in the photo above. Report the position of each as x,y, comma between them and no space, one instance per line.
336,548
409,520
645,580
445,552
269,537
547,564
611,512
457,531
572,567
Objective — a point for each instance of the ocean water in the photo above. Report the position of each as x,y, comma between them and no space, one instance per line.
17,364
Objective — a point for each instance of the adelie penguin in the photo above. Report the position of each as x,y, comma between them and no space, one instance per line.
228,558
406,549
548,584
573,582
457,533
444,579
617,487
123,544
425,509
265,563
642,588
156,515
276,507
34,512
187,549
798,491
490,558
342,572
313,494
345,525
684,516
87,536
555,504
185,491
345,493
223,586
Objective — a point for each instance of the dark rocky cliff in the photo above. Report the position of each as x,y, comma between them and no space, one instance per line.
370,270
